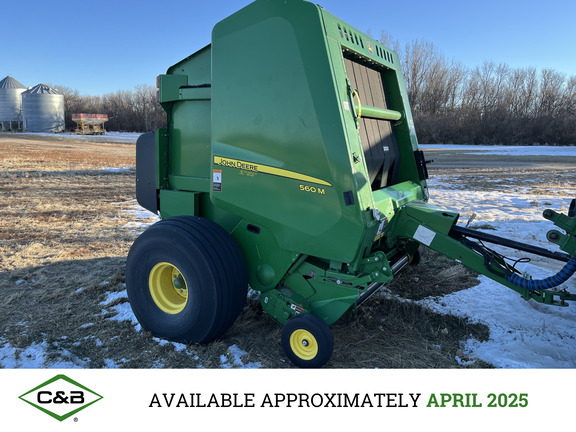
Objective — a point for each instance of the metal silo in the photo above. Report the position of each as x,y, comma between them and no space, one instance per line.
10,104
42,109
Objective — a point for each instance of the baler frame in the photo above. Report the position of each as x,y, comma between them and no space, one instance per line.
290,162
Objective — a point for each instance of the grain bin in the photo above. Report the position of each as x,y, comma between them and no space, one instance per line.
42,109
10,104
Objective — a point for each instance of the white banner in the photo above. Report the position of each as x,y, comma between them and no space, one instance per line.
282,400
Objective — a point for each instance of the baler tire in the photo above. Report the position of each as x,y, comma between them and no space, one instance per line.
186,280
307,341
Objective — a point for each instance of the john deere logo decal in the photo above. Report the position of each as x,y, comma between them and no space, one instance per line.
60,397
370,48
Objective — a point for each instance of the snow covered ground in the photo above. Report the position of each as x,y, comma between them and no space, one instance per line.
522,334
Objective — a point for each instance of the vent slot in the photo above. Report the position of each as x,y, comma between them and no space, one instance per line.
351,36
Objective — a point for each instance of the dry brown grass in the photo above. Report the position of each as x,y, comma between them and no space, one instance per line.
63,245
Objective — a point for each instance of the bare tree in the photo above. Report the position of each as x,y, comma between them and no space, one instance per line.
489,104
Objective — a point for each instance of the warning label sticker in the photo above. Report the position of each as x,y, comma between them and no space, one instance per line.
424,235
217,180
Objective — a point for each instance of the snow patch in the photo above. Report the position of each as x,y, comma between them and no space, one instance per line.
119,170
38,356
233,359
142,218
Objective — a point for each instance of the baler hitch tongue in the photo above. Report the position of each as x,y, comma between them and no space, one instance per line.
545,290
429,225
566,242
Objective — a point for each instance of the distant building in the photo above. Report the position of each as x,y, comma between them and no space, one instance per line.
42,109
11,104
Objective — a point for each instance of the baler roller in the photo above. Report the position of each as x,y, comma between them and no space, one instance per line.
372,112
365,111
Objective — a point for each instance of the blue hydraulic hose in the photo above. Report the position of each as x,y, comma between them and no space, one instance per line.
553,281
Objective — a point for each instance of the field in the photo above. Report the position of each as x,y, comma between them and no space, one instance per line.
69,217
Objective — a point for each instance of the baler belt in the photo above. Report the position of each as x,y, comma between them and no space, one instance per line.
378,141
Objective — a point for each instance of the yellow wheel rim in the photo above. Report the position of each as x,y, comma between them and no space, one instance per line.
303,344
168,288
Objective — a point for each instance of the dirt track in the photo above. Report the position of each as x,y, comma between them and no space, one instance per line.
64,154
453,159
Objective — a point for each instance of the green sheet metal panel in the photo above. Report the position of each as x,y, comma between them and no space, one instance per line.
277,134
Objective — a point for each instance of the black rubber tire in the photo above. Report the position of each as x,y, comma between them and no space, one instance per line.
321,333
213,267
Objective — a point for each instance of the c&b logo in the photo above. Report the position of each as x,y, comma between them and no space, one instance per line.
61,397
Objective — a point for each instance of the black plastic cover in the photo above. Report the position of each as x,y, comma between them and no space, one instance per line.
146,193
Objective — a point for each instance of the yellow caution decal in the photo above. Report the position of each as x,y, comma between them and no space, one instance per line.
267,169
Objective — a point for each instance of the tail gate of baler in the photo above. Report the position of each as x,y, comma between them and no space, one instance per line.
290,164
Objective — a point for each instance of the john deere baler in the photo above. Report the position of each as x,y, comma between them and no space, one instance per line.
290,164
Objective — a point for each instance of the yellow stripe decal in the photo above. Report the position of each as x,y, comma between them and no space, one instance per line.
267,169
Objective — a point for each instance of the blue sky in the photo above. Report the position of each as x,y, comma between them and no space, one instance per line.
104,46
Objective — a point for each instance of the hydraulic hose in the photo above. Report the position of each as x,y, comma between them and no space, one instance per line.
541,284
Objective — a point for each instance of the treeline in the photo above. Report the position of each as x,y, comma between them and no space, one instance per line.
489,104
135,110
